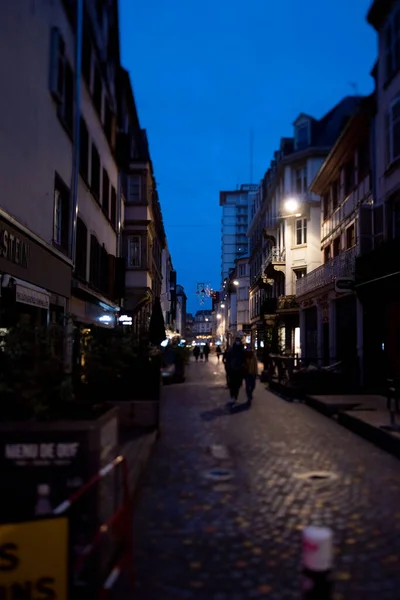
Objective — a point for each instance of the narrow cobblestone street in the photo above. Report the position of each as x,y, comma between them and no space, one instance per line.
223,504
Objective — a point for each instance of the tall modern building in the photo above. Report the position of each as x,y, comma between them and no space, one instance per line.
234,224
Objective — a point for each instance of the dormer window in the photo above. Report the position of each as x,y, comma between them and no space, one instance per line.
302,135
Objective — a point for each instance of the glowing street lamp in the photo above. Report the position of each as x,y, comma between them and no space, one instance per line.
219,316
291,206
222,305
236,282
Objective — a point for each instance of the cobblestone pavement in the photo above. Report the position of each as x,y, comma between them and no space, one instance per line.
239,537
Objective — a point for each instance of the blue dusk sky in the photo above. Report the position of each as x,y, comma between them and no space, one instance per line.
206,73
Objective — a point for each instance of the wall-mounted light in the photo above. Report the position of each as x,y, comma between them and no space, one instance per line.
236,282
291,206
219,316
222,305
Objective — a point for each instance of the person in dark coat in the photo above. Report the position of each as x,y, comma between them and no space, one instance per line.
225,354
235,361
219,352
196,352
206,351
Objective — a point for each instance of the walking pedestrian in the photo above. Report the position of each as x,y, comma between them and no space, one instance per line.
219,352
196,353
206,351
235,366
225,354
201,352
251,372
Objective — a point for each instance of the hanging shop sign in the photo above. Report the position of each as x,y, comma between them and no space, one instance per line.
34,559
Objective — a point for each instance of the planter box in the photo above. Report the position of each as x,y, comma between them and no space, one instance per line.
138,413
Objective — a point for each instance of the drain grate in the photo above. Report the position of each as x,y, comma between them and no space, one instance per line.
317,476
219,474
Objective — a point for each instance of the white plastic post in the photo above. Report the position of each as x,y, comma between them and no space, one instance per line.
317,564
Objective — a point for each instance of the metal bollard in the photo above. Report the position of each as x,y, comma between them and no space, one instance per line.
317,564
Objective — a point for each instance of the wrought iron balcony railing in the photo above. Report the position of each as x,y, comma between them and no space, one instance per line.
275,257
342,265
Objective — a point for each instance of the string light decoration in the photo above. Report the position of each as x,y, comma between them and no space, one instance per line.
204,291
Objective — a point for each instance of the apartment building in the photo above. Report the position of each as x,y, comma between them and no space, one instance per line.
202,325
37,159
285,229
143,238
377,272
331,315
234,224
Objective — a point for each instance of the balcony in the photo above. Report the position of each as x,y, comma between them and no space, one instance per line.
287,304
340,266
276,257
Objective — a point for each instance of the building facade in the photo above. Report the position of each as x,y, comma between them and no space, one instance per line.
377,272
202,326
234,225
181,300
35,254
285,229
331,315
143,238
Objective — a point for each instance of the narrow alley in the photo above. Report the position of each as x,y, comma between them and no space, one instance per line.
225,499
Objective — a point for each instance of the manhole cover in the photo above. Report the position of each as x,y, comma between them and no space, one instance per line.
219,474
317,476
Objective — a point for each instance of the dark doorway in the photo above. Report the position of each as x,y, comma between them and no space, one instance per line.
325,341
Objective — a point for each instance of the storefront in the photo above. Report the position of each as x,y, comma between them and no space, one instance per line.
35,280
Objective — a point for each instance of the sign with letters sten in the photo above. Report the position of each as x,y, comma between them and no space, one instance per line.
34,560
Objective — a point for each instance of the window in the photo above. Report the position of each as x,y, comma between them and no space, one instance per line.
57,217
394,131
81,249
327,254
135,191
84,151
392,45
363,161
299,273
349,177
61,214
335,194
95,176
243,293
242,270
336,246
95,259
301,231
113,215
325,205
302,136
106,194
61,80
97,91
134,251
86,58
350,236
108,123
301,180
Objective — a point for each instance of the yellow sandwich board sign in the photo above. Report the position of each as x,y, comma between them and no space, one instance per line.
34,560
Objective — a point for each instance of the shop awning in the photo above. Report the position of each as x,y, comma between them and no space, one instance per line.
27,293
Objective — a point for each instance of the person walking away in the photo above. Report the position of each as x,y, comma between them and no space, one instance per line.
206,351
219,352
235,363
251,372
225,354
196,353
201,353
